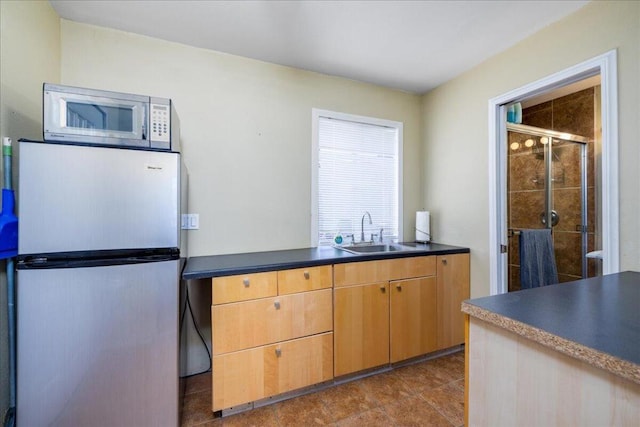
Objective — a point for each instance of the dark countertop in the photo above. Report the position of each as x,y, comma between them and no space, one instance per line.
202,267
596,320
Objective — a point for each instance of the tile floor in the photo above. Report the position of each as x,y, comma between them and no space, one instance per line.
429,393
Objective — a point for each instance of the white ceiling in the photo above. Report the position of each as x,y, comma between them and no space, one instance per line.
408,45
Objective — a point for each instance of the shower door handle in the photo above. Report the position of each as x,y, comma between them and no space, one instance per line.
555,218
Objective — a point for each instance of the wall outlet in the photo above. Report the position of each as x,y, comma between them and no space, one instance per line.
190,221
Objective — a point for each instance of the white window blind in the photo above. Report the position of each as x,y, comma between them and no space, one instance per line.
358,163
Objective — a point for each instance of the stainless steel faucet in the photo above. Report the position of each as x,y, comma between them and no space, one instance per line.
362,225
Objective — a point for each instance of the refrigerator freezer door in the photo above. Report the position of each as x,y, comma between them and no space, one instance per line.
98,346
78,198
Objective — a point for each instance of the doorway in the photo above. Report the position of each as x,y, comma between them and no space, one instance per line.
605,185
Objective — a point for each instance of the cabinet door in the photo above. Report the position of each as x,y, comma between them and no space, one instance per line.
413,317
249,375
361,327
453,288
241,325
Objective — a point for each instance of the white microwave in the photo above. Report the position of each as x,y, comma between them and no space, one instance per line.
97,117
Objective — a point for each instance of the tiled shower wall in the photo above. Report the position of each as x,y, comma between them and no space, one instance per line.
574,113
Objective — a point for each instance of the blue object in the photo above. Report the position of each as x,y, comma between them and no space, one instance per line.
8,226
511,114
537,259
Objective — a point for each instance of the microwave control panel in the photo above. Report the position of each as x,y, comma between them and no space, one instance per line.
160,123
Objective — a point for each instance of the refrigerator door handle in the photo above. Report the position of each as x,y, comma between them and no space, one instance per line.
96,258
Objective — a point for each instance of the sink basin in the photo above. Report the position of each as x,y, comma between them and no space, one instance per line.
377,249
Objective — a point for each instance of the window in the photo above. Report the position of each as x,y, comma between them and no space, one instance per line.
356,169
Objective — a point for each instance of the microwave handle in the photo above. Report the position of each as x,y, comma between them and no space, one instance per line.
145,122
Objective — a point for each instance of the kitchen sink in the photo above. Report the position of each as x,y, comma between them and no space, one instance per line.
377,248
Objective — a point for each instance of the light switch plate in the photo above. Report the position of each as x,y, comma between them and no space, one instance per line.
190,221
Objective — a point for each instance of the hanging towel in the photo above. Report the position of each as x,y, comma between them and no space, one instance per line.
537,259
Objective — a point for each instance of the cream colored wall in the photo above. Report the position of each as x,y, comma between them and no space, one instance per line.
29,56
455,127
246,130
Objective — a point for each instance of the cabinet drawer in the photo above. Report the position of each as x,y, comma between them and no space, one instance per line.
304,279
356,273
299,363
243,287
243,325
249,375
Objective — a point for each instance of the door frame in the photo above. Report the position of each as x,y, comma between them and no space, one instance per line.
606,66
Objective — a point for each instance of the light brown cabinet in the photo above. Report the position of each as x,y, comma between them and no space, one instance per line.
413,318
304,279
361,327
243,287
358,273
453,288
386,321
246,324
271,333
256,373
392,310
279,331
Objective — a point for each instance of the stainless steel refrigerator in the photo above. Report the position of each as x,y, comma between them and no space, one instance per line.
99,269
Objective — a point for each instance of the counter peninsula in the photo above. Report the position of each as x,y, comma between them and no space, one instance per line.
566,354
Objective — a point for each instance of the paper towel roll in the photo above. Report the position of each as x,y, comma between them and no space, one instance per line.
423,230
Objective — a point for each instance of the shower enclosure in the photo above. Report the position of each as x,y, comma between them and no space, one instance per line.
548,187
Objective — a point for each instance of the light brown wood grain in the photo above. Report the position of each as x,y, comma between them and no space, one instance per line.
356,273
305,279
243,287
247,324
298,363
237,378
361,327
254,374
413,317
453,287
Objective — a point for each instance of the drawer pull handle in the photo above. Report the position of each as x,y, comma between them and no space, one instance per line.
306,275
245,281
278,352
399,288
444,261
277,305
383,289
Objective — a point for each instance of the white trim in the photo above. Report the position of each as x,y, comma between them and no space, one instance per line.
606,65
315,115
610,164
400,128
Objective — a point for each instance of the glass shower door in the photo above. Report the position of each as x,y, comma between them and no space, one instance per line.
547,188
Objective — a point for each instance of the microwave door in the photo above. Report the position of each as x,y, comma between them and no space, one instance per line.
100,117
92,119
